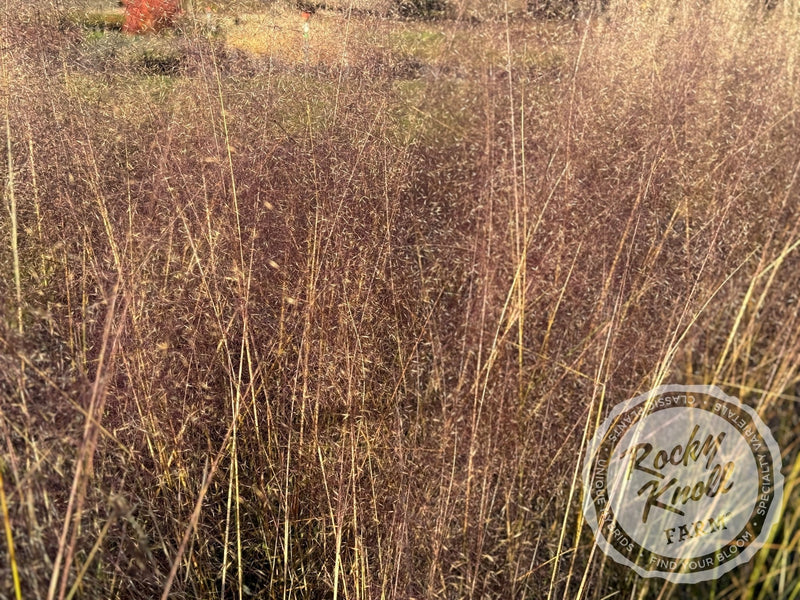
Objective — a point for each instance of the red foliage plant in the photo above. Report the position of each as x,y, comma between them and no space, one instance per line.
149,15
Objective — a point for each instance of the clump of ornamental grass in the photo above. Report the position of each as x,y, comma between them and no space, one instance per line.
306,332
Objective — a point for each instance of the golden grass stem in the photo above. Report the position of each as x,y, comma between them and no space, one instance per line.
12,555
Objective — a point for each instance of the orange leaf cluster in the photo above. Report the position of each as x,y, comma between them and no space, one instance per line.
149,15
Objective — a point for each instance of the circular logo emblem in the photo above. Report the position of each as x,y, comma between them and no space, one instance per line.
683,483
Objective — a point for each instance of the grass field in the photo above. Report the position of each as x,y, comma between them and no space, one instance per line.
332,317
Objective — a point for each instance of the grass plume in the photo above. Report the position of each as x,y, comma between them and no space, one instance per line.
341,326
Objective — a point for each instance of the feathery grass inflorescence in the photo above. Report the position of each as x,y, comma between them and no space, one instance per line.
341,324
